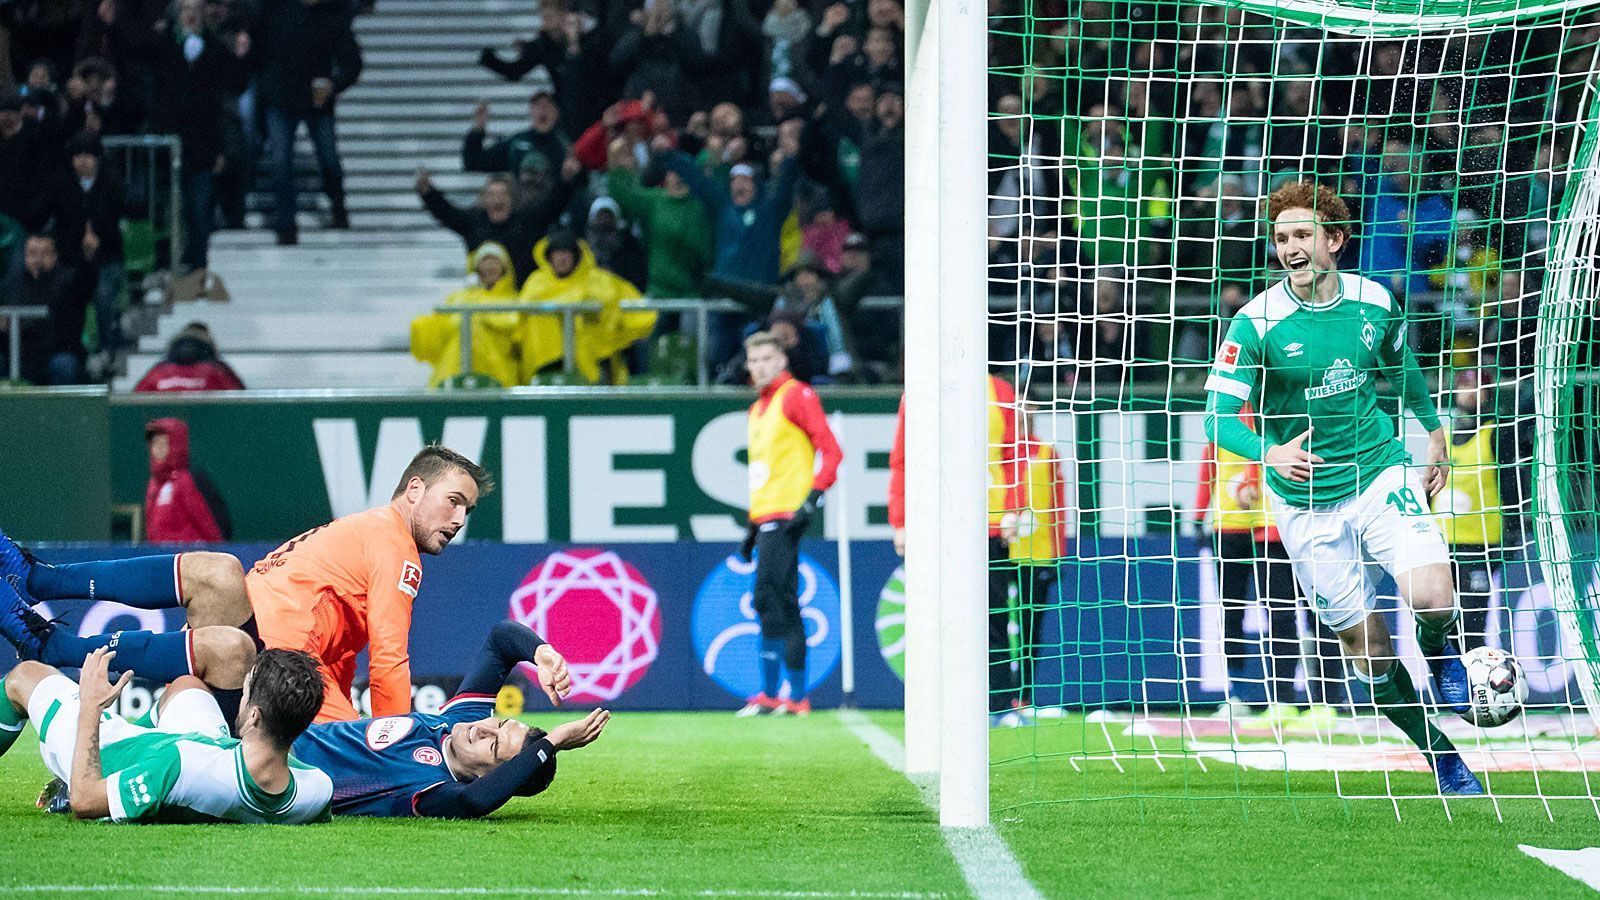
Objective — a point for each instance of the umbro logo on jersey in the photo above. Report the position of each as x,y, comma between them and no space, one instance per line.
1295,349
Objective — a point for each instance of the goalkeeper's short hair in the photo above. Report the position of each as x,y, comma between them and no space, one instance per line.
1330,208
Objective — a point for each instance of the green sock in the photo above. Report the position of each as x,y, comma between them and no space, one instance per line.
1396,697
10,722
1433,632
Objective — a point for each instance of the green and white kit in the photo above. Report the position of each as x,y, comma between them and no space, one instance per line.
1304,366
186,769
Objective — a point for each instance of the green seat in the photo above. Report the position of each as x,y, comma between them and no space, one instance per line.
138,246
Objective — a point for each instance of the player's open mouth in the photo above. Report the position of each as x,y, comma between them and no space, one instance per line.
1298,265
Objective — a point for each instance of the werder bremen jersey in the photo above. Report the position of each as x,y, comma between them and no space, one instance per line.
159,777
1306,366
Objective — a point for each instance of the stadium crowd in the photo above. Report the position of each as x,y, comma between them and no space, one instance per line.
682,149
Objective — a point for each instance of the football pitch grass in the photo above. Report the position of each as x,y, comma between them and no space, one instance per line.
705,805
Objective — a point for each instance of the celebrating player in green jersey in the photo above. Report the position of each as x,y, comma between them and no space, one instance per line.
1307,353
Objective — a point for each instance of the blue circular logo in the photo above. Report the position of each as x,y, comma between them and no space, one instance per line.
727,634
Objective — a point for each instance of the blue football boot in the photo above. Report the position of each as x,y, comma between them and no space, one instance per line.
16,564
25,629
1455,779
1450,680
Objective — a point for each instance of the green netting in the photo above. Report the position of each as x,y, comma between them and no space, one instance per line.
1132,150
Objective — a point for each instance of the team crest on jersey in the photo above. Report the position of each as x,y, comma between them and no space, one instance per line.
1336,379
1369,334
427,756
1228,357
410,578
381,733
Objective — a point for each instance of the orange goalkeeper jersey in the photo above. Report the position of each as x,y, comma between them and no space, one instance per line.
333,590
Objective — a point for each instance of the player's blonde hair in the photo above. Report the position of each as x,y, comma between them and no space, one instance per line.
761,339
1331,210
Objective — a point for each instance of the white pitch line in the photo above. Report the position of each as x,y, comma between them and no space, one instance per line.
988,866
1584,865
456,891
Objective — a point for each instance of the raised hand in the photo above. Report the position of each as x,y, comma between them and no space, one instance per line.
571,735
553,677
94,685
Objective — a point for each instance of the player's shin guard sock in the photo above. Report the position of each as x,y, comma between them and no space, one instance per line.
228,701
147,582
10,721
1433,631
771,665
158,656
1396,698
797,683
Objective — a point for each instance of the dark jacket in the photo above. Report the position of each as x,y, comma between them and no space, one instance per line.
518,234
508,154
189,96
300,43
100,207
24,165
64,292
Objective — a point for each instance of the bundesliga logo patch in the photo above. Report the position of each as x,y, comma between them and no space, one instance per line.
1228,358
410,578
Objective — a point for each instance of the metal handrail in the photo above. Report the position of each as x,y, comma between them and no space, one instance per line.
15,314
174,148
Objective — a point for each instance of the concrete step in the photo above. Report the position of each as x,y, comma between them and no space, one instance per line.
468,73
446,8
507,115
386,128
465,95
415,57
500,28
463,40
369,182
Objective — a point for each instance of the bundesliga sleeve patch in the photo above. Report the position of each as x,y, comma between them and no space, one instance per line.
1228,357
410,578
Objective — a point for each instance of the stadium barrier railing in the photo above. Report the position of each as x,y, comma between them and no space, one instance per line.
151,169
14,316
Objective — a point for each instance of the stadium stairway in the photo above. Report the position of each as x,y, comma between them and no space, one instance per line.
335,311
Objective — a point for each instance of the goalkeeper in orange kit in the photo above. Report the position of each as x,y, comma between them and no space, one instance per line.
332,592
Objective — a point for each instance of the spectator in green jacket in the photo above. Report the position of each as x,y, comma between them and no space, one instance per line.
679,243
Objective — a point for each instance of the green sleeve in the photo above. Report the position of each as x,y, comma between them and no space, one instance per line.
1400,367
626,190
1224,428
1237,369
137,792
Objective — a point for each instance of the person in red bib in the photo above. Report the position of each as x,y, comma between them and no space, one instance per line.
787,431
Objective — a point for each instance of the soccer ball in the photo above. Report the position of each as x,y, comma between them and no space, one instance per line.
1495,685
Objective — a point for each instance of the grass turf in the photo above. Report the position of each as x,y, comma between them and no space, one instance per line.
680,804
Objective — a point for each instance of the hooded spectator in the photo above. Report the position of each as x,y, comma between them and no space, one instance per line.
180,505
568,273
309,57
677,234
498,218
541,138
436,337
612,241
191,364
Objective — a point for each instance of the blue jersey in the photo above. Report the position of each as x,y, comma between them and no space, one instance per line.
379,766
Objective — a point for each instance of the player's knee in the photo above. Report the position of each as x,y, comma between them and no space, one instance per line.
213,588
23,679
223,656
1430,589
179,685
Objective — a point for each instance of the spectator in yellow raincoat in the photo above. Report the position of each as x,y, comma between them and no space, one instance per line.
436,337
568,273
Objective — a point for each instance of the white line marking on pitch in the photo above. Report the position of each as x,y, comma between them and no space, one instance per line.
986,862
457,891
1583,865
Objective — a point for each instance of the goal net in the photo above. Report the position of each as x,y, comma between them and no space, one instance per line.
1148,636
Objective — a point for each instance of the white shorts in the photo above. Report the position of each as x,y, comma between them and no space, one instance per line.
53,710
1341,552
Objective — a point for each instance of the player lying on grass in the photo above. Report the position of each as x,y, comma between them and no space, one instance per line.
187,768
331,592
1307,353
462,763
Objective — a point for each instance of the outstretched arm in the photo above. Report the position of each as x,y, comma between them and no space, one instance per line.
508,644
526,774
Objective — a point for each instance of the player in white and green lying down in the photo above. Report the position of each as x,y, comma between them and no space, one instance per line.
1307,353
187,768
